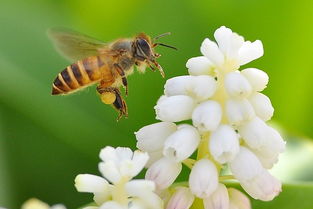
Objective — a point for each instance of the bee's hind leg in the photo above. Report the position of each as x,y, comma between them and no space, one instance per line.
110,95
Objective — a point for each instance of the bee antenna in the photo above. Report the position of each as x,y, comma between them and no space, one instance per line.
165,45
162,35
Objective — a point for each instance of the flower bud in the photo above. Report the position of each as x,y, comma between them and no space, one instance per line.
112,205
250,51
258,79
179,85
238,200
245,165
212,52
224,144
262,106
262,138
237,86
174,108
199,66
203,179
263,186
218,200
90,183
182,143
152,137
207,116
239,111
203,87
181,199
163,172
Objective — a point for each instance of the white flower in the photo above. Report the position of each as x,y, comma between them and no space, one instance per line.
236,85
224,144
239,111
182,143
237,200
262,106
258,79
37,204
174,108
200,66
119,166
207,116
255,180
218,200
163,172
203,179
181,199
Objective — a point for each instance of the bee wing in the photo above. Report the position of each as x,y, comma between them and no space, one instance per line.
74,45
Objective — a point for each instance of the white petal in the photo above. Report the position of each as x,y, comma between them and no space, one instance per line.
131,168
264,186
90,183
110,171
144,190
207,116
182,143
58,206
102,197
112,205
151,138
203,87
174,108
258,79
237,86
163,172
262,106
212,52
245,165
218,200
179,85
154,156
224,144
123,153
91,207
181,199
35,204
239,111
200,66
203,179
228,42
262,138
109,154
250,51
238,200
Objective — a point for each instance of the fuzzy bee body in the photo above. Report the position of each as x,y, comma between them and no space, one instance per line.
108,65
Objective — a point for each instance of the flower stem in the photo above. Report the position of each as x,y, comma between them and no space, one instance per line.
227,177
189,162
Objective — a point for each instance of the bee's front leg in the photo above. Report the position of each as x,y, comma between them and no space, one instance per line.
121,72
111,95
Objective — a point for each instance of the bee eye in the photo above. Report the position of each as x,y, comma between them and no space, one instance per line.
144,47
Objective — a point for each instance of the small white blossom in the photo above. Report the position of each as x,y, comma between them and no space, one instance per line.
181,199
239,111
163,172
174,108
258,79
237,86
37,204
116,190
203,179
207,116
238,200
218,200
224,144
199,66
182,143
262,106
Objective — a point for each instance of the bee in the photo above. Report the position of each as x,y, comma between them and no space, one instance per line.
105,64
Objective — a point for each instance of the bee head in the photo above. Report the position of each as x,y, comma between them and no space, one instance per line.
143,50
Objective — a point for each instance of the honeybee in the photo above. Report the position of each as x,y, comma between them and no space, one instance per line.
107,64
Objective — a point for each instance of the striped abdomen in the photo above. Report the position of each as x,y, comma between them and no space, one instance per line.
78,75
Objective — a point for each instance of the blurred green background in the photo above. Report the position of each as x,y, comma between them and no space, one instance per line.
45,141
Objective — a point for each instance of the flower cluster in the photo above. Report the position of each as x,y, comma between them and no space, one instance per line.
228,130
116,190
